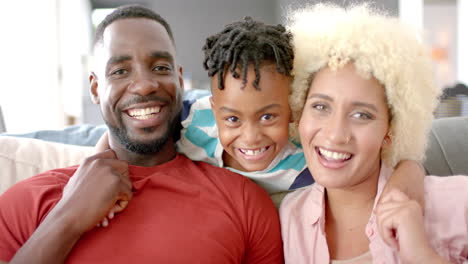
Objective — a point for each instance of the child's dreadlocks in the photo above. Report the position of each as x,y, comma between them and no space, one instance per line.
248,42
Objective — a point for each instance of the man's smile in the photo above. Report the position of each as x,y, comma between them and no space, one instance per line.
144,113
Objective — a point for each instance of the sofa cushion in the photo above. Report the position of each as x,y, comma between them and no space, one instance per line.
447,152
21,158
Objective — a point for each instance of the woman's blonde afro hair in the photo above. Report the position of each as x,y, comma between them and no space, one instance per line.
379,46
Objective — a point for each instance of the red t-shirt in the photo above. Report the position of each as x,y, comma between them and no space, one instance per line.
182,212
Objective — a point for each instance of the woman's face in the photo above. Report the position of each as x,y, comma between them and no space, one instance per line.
343,127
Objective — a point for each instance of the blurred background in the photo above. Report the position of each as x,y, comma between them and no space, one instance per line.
46,45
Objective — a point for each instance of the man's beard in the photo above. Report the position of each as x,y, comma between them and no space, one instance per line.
146,148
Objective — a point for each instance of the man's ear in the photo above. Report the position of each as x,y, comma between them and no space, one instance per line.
181,77
93,88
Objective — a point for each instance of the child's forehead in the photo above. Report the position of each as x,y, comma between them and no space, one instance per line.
266,70
272,86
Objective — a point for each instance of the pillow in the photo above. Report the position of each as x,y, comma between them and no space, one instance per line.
21,158
82,135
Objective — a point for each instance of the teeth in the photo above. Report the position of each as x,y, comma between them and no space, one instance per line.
253,152
331,155
144,113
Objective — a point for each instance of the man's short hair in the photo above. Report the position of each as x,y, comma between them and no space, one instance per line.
130,11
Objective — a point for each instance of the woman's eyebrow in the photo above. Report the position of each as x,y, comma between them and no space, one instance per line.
367,105
354,103
321,96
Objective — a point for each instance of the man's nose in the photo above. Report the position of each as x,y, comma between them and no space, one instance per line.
144,83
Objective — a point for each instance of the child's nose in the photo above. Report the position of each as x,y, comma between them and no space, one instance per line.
251,134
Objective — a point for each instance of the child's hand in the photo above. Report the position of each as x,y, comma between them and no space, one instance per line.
103,143
401,226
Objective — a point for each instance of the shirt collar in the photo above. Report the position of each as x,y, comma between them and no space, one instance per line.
315,202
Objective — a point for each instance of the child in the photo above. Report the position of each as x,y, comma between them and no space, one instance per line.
363,96
243,126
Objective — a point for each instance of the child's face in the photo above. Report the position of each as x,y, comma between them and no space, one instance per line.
252,124
343,126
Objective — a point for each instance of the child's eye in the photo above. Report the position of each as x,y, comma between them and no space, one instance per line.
267,117
362,116
232,119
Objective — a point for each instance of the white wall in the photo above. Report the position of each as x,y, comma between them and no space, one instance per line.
75,37
29,90
462,41
43,70
440,24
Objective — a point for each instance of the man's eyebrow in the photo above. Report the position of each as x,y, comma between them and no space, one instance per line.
355,103
163,55
117,59
155,55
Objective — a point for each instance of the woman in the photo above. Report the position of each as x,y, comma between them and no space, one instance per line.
363,99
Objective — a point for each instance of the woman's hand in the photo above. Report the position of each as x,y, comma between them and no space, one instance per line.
401,226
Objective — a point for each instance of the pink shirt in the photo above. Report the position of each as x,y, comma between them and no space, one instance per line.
302,217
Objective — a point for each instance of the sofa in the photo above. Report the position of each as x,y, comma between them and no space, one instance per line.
25,155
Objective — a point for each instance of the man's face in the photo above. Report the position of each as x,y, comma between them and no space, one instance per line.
137,84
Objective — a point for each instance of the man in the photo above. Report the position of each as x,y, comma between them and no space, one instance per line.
179,211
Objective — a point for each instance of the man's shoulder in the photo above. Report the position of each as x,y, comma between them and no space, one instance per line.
59,176
52,180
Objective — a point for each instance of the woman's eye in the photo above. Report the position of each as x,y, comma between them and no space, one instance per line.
232,119
319,107
362,116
